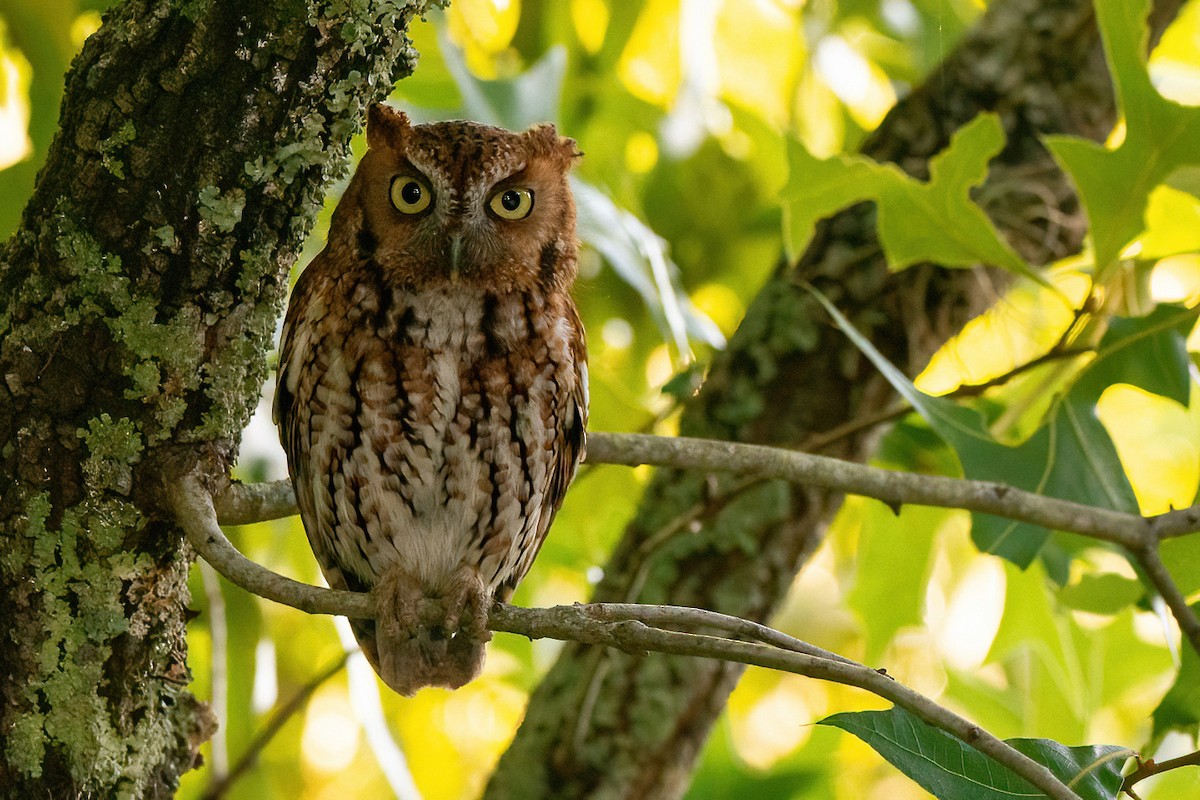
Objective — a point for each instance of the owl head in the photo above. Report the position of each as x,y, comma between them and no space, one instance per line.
462,202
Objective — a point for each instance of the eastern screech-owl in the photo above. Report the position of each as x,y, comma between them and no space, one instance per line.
432,390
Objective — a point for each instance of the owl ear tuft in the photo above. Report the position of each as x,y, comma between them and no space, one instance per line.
386,126
545,139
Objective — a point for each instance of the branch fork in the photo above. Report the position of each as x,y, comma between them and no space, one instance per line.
637,629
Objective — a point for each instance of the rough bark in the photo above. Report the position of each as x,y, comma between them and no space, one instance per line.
137,302
609,725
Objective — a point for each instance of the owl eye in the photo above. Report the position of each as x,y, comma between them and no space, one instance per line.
410,195
512,203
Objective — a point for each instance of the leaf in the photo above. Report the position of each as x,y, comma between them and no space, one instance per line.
894,557
1103,593
517,103
639,256
1160,140
1182,557
1172,224
1148,352
950,769
935,221
1071,456
1180,707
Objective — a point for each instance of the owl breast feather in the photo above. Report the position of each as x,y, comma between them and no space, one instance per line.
430,428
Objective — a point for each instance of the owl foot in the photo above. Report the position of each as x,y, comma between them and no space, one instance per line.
430,638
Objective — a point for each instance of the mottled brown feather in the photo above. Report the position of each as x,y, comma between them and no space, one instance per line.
433,411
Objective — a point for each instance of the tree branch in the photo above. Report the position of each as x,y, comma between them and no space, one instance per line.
193,508
1156,572
631,628
242,504
591,624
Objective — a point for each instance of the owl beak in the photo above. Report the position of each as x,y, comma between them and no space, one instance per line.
456,248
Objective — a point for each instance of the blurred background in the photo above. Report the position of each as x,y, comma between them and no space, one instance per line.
684,109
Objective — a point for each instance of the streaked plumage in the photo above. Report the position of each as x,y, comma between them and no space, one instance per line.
432,390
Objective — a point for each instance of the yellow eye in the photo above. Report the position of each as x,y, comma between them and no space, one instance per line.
512,203
410,195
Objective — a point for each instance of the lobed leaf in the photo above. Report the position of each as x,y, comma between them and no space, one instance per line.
1161,143
918,221
1071,456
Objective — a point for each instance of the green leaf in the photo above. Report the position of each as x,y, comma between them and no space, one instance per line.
1180,707
935,221
1073,451
1182,557
517,103
1160,139
1172,224
1071,456
949,769
1061,459
895,554
1103,593
1148,352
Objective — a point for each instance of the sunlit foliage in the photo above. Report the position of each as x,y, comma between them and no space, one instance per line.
691,113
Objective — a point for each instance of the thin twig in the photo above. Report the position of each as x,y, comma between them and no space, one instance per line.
819,441
692,620
219,659
1151,767
1054,354
595,625
282,714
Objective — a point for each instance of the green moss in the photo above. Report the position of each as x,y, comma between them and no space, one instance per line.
260,170
165,235
257,264
113,449
84,600
222,210
308,149
110,146
166,355
233,378
25,749
196,10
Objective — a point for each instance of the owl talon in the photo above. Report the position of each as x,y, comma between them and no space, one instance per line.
465,607
426,641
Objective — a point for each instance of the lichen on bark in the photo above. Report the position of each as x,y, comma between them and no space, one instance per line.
137,303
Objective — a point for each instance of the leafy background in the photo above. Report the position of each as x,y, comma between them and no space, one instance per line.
715,134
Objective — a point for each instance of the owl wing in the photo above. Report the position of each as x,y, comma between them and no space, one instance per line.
283,409
570,448
302,363
573,434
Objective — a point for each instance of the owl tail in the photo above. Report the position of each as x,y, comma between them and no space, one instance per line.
427,638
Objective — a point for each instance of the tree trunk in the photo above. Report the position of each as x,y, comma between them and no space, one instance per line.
137,303
605,724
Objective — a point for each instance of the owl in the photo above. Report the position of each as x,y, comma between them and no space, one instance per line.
432,387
